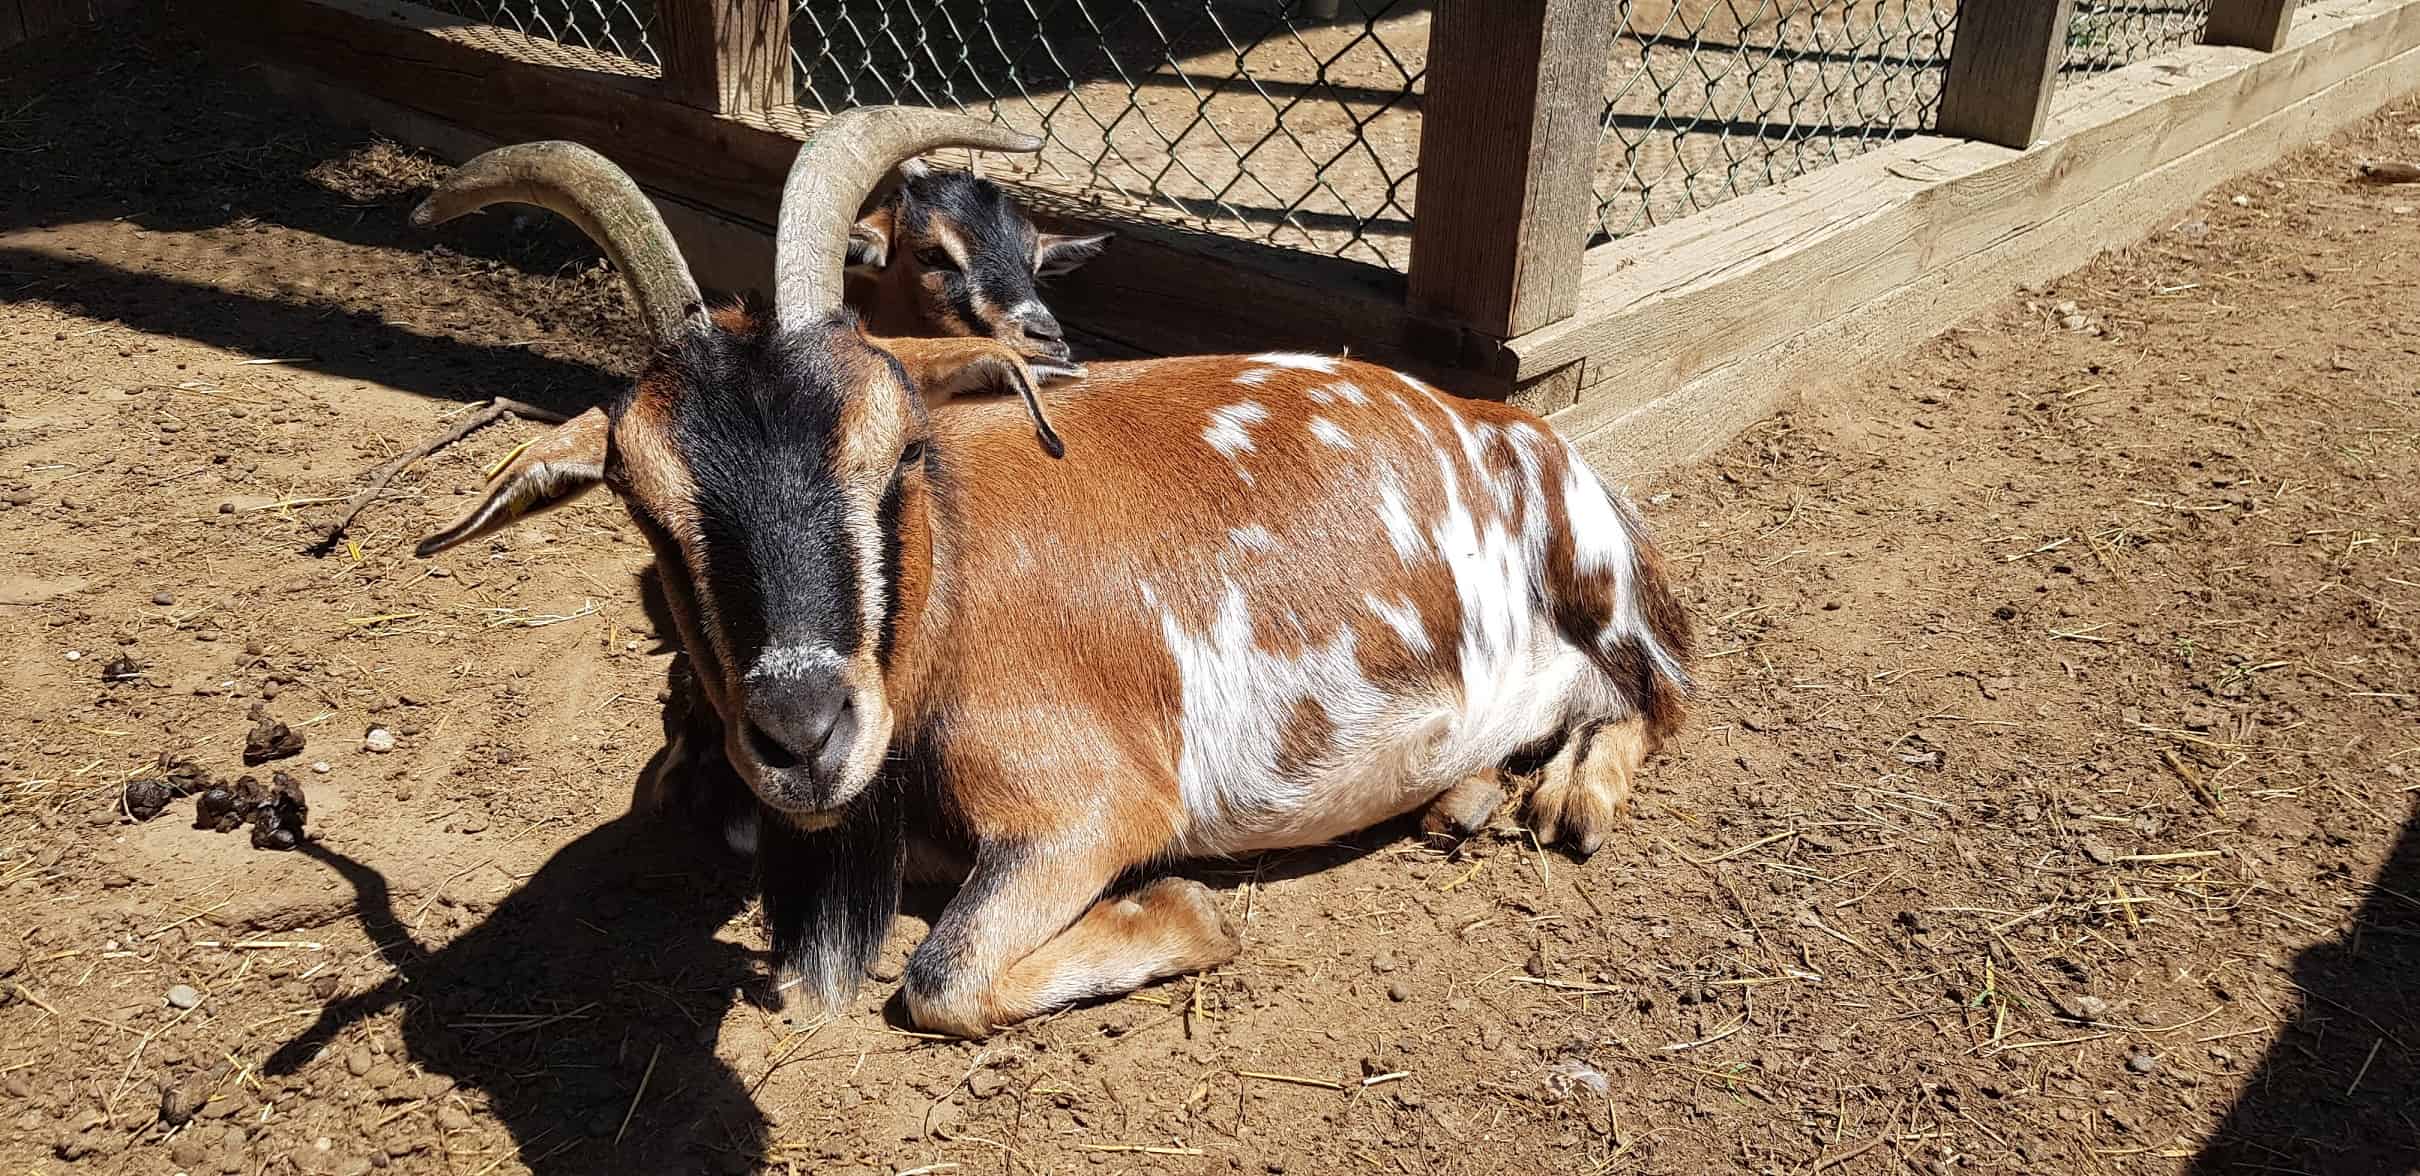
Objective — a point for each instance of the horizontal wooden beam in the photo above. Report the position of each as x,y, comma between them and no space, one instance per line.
1694,330
1157,289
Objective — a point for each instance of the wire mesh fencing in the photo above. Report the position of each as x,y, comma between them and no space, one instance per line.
1284,121
2104,35
618,27
1297,122
1706,101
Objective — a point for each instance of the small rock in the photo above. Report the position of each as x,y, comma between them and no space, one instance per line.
359,1061
453,1118
986,1082
188,1153
2240,201
320,766
2075,322
2143,1063
183,996
1535,965
1399,992
2087,1008
1383,962
2097,853
379,741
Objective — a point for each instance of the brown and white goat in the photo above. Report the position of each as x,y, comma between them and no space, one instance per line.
1260,601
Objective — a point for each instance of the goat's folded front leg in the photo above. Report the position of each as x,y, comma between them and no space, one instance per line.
1031,932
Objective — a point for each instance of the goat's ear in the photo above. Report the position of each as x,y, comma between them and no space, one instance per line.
944,369
1056,254
870,240
558,466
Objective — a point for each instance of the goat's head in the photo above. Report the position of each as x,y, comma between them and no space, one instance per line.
775,458
953,254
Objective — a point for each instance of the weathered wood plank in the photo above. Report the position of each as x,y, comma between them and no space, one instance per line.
2003,65
728,56
1669,305
2251,24
1969,270
1514,91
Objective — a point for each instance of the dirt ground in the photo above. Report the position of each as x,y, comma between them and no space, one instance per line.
2049,807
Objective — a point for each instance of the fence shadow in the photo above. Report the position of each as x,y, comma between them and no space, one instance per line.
2339,1091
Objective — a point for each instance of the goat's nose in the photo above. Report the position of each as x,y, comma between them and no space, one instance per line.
797,721
1040,325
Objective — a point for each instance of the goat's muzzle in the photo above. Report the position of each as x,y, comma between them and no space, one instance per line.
797,736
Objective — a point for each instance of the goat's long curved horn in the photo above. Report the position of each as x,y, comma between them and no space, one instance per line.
831,178
586,189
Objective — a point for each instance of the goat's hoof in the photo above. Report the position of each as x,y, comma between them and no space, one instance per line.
1463,809
1190,913
1585,786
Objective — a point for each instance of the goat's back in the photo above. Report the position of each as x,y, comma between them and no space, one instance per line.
1311,592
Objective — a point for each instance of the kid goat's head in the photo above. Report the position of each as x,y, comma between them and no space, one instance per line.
949,253
775,459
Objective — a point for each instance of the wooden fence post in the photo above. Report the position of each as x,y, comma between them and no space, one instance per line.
2003,65
2253,24
1508,146
727,56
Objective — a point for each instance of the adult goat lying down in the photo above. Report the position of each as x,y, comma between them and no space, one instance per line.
1258,602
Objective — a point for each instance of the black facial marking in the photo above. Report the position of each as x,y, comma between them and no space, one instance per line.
999,239
888,520
759,427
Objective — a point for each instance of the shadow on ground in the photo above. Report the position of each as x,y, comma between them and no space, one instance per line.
603,966
2340,1090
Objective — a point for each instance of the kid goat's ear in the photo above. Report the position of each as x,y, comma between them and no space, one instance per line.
944,369
1056,254
870,240
560,465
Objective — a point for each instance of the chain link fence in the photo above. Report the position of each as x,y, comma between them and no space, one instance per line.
618,27
1284,121
1297,122
1706,101
2111,34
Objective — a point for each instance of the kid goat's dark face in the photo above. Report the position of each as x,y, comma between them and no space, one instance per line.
768,470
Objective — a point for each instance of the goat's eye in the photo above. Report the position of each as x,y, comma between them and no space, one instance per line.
913,454
935,258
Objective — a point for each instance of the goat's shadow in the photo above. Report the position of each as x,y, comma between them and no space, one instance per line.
598,984
2339,1090
603,965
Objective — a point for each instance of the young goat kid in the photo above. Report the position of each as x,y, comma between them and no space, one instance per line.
1261,602
951,254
